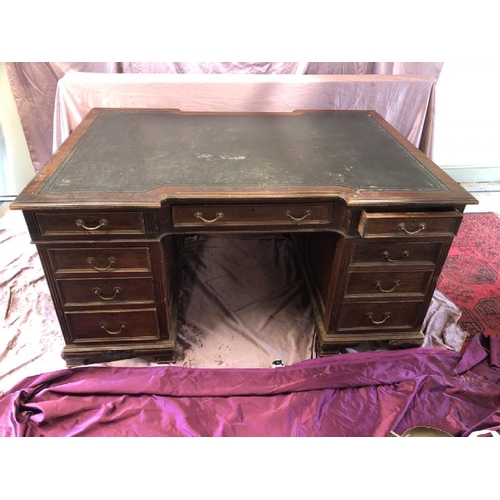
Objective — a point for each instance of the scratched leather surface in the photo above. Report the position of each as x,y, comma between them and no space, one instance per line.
128,152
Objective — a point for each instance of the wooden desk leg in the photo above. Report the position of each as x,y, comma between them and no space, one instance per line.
317,255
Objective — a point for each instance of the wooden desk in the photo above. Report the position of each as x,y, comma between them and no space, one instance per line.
371,217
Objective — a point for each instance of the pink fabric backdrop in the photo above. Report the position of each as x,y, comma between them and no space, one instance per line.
402,101
34,86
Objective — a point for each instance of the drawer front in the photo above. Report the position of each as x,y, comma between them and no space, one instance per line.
113,326
313,214
378,316
100,260
106,292
396,283
396,253
407,224
93,224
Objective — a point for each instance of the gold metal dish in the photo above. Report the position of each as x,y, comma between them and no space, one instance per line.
422,431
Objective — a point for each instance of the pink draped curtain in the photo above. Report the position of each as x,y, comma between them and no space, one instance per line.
34,86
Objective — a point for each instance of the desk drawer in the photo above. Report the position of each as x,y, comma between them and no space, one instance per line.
95,224
100,260
113,326
394,283
307,214
408,224
378,316
106,292
396,253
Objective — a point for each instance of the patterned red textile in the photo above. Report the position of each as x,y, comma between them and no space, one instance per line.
358,394
471,274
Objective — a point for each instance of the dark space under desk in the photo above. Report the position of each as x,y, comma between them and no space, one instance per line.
371,217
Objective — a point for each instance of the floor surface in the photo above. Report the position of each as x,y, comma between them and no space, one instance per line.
488,195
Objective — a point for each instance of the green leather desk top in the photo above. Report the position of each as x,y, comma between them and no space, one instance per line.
144,157
139,151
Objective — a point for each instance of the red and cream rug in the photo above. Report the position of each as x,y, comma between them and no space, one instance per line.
471,274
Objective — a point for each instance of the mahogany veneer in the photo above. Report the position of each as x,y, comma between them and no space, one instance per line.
372,219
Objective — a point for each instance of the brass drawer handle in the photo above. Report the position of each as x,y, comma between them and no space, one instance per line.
218,215
421,227
387,315
404,255
111,260
81,223
395,284
104,326
307,213
97,291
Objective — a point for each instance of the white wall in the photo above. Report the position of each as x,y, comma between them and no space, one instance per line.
467,121
16,168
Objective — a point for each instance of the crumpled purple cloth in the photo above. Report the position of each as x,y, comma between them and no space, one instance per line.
356,394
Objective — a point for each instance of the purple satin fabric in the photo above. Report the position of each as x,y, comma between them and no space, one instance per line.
358,394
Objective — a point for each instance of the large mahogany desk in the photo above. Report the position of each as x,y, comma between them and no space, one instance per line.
371,217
